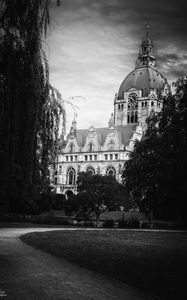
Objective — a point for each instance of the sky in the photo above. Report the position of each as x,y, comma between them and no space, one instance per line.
92,45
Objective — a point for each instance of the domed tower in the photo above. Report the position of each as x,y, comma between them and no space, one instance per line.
142,91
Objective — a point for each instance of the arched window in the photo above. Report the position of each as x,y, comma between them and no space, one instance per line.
152,103
128,118
136,117
142,104
132,117
71,176
91,170
111,171
145,103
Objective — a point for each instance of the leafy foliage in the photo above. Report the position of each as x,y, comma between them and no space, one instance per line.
30,108
96,193
155,174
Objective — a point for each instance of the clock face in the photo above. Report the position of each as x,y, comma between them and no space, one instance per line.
132,99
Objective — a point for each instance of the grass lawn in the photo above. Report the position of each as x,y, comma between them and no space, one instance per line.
151,261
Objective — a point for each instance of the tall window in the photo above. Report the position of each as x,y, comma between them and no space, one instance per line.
71,176
111,171
132,117
132,114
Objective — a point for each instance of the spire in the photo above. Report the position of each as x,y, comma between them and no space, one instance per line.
111,122
73,129
147,37
146,57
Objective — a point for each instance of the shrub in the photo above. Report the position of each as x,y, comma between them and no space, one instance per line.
58,202
108,223
131,219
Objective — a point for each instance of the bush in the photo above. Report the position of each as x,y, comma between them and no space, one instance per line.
58,202
108,223
44,203
131,219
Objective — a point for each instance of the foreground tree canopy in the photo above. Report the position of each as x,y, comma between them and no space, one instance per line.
30,108
155,174
97,193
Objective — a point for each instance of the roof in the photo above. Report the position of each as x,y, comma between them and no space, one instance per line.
142,79
124,133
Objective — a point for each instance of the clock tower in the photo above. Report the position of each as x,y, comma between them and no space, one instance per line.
143,89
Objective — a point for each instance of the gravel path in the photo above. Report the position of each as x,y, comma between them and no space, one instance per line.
27,273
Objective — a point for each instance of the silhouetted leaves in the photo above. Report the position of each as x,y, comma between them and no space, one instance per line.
155,175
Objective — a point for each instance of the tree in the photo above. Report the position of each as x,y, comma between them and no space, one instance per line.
29,107
97,193
156,171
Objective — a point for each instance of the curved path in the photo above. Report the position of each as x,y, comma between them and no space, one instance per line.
27,273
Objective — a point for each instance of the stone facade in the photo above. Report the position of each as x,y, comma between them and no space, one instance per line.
105,150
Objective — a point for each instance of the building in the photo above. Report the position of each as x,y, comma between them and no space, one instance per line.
105,150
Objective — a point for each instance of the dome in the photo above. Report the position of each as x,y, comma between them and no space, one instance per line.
144,79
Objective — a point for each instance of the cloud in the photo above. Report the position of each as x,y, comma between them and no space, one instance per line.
93,45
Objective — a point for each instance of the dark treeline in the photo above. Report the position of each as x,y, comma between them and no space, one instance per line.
30,108
155,175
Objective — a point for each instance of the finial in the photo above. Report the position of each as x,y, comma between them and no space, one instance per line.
147,31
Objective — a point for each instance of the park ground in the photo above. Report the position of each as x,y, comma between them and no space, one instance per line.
151,261
28,273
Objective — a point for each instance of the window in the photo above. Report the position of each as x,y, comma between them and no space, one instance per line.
55,180
71,158
106,156
86,157
90,157
95,157
128,118
121,106
111,171
91,170
71,176
111,156
132,117
116,156
145,103
75,157
142,104
60,169
152,103
136,117
67,158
